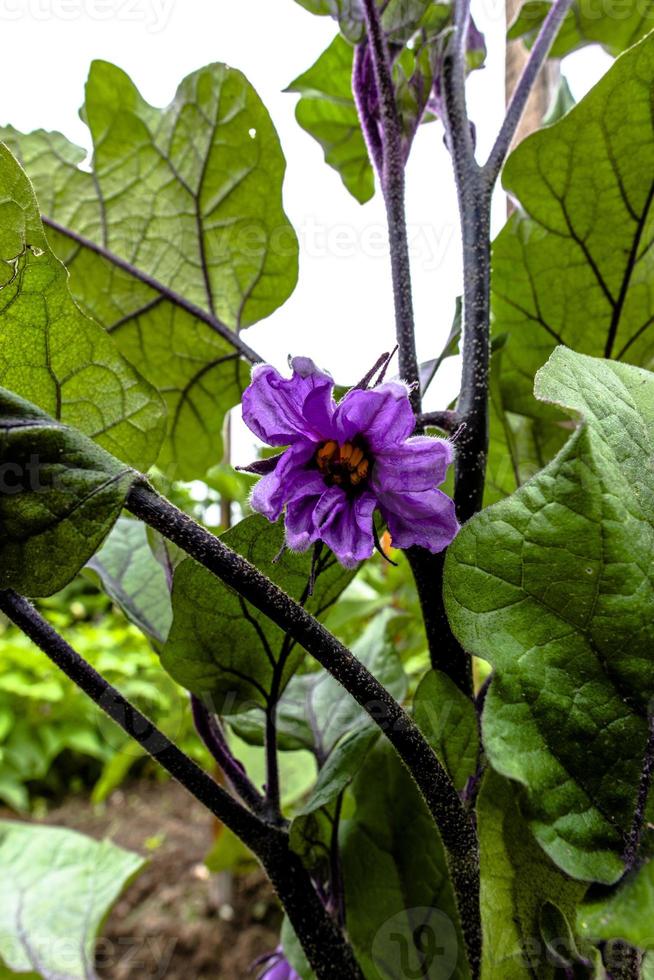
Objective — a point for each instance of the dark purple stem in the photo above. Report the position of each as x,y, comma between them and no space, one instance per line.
622,961
364,89
520,97
447,421
209,729
323,942
647,774
272,763
393,188
474,196
456,829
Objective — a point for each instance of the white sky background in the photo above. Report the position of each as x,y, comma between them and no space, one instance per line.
341,313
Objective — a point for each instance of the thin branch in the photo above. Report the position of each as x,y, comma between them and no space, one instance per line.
393,188
272,762
447,421
456,829
520,97
209,730
169,294
323,942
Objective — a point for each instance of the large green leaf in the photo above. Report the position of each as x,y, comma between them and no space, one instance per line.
50,352
55,891
517,879
190,197
225,650
554,587
134,579
60,494
519,446
626,915
588,22
327,112
316,712
397,891
448,720
576,267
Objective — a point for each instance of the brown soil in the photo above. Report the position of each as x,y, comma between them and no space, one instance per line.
175,922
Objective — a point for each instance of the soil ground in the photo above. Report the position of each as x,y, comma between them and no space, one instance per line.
175,922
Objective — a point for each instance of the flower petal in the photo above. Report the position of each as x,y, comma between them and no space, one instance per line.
383,416
427,519
418,464
301,530
288,478
345,524
273,405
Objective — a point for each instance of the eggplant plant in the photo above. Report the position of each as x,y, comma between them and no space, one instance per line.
482,805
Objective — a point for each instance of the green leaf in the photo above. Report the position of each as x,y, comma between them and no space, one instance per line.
562,102
397,888
627,914
61,495
56,889
50,352
400,18
448,720
316,712
229,853
340,767
297,770
225,650
294,952
575,268
192,196
519,446
131,575
327,112
587,23
555,588
517,880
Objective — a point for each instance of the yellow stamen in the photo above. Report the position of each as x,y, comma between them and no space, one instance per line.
346,451
356,457
326,453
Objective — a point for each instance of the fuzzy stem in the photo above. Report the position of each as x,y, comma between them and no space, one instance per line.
622,961
324,944
209,730
445,651
393,188
456,829
474,196
272,765
447,421
646,777
520,97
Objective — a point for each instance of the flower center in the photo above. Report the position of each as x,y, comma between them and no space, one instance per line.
345,466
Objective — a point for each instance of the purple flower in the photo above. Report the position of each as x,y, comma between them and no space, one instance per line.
278,967
345,461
